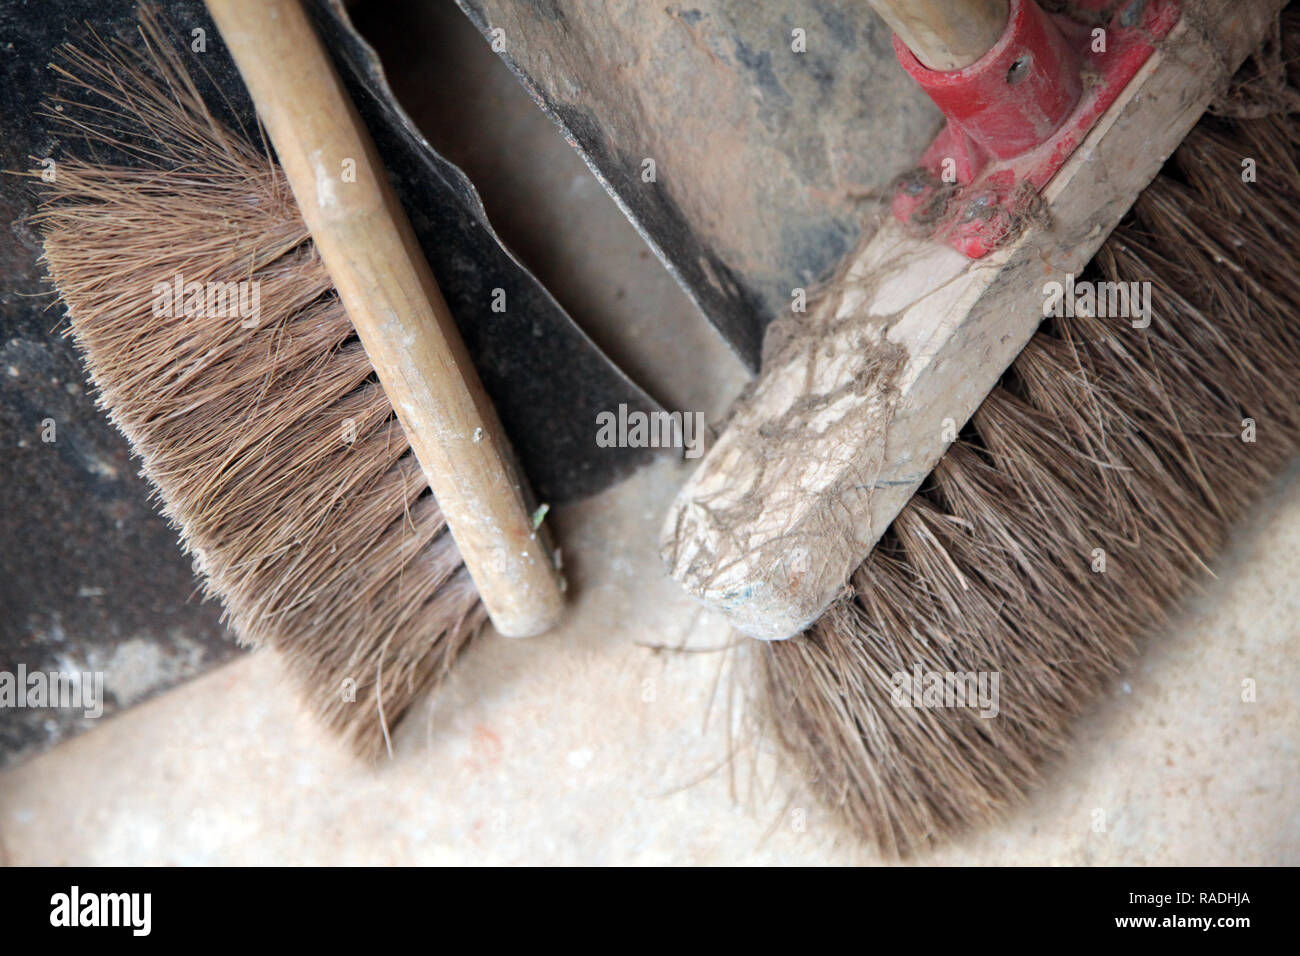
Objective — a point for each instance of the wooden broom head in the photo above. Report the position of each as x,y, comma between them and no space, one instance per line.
218,346
1094,483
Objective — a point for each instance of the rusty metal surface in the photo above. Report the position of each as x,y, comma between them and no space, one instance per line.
762,154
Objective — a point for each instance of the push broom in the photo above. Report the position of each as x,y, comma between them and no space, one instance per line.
332,461
975,458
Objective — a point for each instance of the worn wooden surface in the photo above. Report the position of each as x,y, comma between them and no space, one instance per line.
828,448
393,301
946,34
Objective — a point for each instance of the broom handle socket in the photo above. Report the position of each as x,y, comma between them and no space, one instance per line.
946,34
376,264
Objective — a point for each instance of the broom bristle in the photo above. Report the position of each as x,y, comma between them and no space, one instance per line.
1102,436
270,443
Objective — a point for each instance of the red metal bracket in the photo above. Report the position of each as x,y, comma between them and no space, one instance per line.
1018,112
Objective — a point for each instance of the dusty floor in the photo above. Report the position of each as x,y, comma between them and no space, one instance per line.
590,745
586,746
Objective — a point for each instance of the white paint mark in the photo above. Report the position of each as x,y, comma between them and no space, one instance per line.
325,197
580,759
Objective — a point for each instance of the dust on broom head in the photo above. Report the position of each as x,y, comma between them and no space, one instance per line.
1100,436
217,345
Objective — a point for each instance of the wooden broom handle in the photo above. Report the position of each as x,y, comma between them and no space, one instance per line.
946,34
368,247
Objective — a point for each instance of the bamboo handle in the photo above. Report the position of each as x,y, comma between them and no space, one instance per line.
945,34
384,282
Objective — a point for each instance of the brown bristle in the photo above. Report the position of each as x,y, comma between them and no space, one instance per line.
1102,437
273,449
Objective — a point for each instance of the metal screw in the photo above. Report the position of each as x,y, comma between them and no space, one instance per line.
1019,69
1131,14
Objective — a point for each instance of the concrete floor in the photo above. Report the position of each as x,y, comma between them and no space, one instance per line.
592,744
587,746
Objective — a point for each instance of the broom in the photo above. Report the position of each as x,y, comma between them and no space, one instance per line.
1083,496
271,342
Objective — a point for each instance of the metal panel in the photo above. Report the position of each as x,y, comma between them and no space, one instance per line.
762,154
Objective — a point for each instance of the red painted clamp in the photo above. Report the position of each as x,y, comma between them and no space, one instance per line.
1017,113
